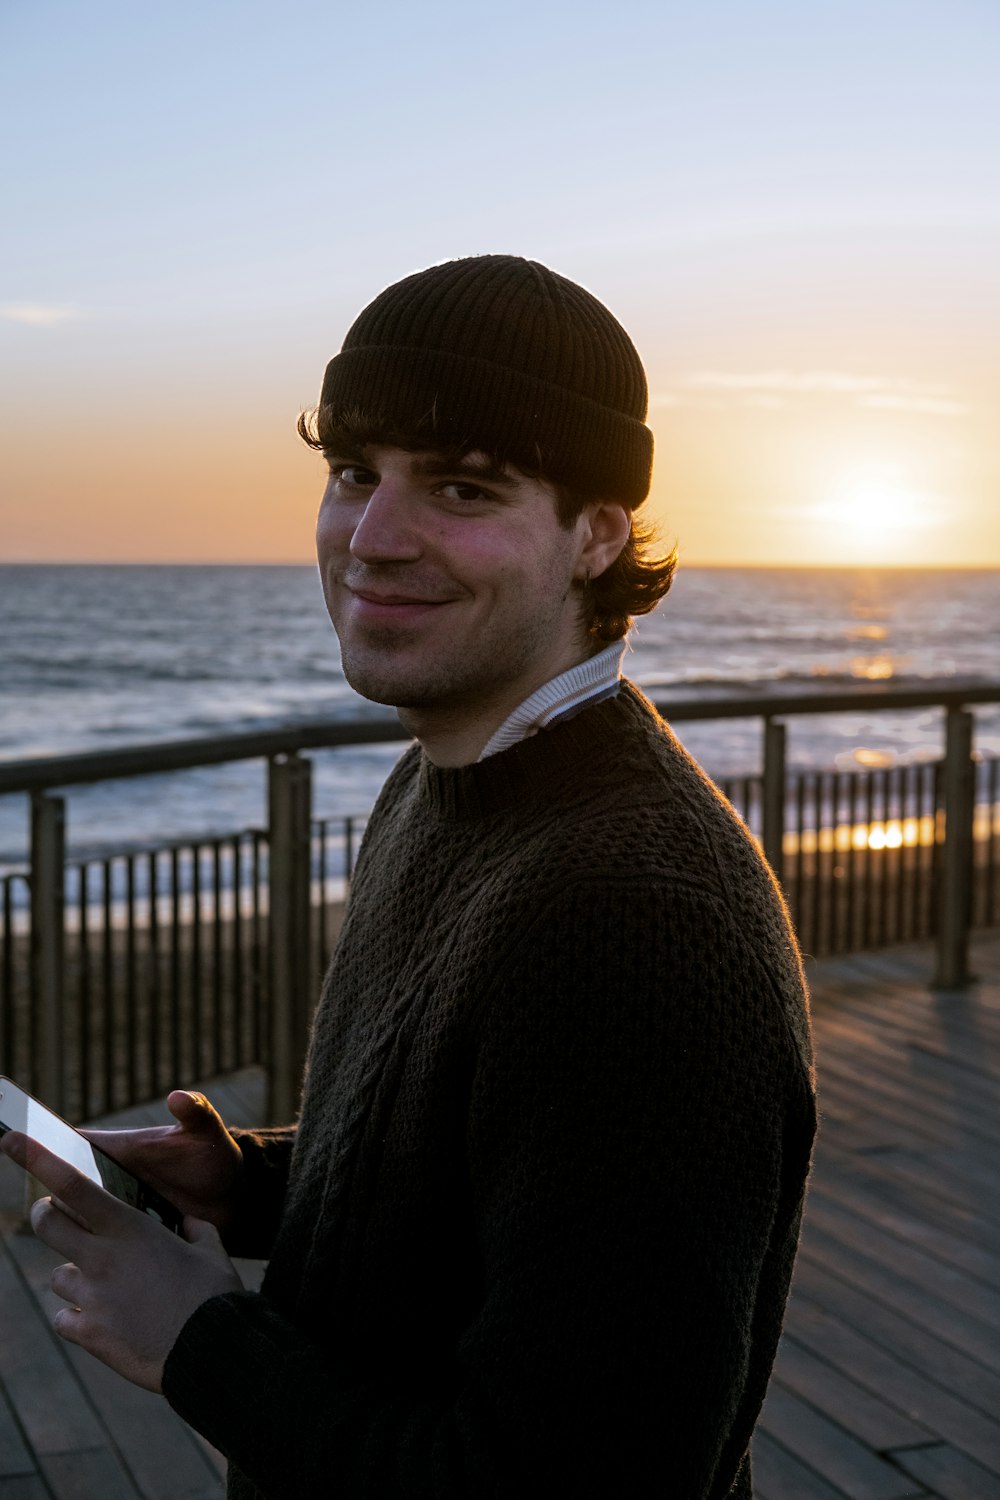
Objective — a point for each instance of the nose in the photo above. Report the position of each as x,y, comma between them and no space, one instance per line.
386,529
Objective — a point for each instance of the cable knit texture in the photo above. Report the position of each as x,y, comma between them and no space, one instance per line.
544,1197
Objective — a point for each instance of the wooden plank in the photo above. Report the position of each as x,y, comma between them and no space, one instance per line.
932,1187
84,1476
779,1475
25,1487
13,1195
850,1466
50,1406
857,1185
932,1036
870,1128
912,1391
963,1380
947,1472
901,1091
861,1412
937,1077
913,1299
14,1455
970,1175
907,1261
162,1453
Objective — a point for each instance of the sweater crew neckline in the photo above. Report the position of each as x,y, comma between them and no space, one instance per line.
534,766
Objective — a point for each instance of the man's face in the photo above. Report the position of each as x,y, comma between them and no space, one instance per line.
450,586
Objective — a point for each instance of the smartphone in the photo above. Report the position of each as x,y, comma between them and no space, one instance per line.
19,1111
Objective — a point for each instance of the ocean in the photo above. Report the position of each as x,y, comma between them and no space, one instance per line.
100,656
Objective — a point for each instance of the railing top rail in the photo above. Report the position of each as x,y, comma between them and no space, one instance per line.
184,755
46,772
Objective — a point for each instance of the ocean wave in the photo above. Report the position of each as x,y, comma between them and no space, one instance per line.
814,681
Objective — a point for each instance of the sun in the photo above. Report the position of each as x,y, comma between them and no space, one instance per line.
873,505
873,513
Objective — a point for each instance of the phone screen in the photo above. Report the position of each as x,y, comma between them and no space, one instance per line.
20,1111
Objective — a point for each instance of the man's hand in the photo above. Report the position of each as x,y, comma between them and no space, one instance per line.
195,1164
130,1283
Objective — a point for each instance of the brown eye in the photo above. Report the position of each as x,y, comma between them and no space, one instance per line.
354,475
467,492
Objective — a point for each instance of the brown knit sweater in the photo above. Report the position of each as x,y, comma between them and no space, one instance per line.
545,1191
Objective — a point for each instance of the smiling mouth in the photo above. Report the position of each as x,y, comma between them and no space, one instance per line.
400,609
394,601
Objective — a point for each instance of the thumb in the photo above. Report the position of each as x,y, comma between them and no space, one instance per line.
200,1232
193,1111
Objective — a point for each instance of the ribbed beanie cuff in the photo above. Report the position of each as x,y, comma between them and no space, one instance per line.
500,353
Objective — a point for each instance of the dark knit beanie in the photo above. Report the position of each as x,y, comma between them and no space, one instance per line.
500,353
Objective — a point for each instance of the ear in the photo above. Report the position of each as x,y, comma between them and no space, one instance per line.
605,527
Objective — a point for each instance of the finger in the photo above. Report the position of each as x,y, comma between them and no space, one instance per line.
69,1324
200,1232
194,1112
8,1142
67,1283
70,1214
84,1198
65,1235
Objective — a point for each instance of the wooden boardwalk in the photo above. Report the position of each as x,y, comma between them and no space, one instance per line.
888,1380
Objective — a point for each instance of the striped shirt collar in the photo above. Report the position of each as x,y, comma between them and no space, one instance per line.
597,677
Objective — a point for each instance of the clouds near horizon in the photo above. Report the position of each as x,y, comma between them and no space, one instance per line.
38,314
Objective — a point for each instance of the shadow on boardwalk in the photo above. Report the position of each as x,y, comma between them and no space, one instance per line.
887,1384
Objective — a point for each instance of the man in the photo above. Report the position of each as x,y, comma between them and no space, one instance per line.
534,1231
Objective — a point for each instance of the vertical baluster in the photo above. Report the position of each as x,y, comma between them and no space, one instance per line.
798,870
195,1019
323,936
48,876
85,1027
131,987
108,1009
911,806
932,798
747,801
894,858
901,920
261,1021
176,966
955,892
868,877
882,783
836,862
991,909
236,963
818,892
289,835
774,791
220,1005
8,1029
348,850
851,862
154,1059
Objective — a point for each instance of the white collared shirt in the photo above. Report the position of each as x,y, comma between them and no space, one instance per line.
597,677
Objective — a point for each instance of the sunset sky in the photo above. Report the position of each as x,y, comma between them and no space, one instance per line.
793,208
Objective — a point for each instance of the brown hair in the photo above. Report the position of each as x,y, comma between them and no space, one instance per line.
633,585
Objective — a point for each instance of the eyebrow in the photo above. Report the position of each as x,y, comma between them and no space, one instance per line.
436,466
430,465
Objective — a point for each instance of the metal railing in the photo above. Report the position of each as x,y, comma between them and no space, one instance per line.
142,970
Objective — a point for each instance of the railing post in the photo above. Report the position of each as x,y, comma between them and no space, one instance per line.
48,866
954,896
773,796
289,914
